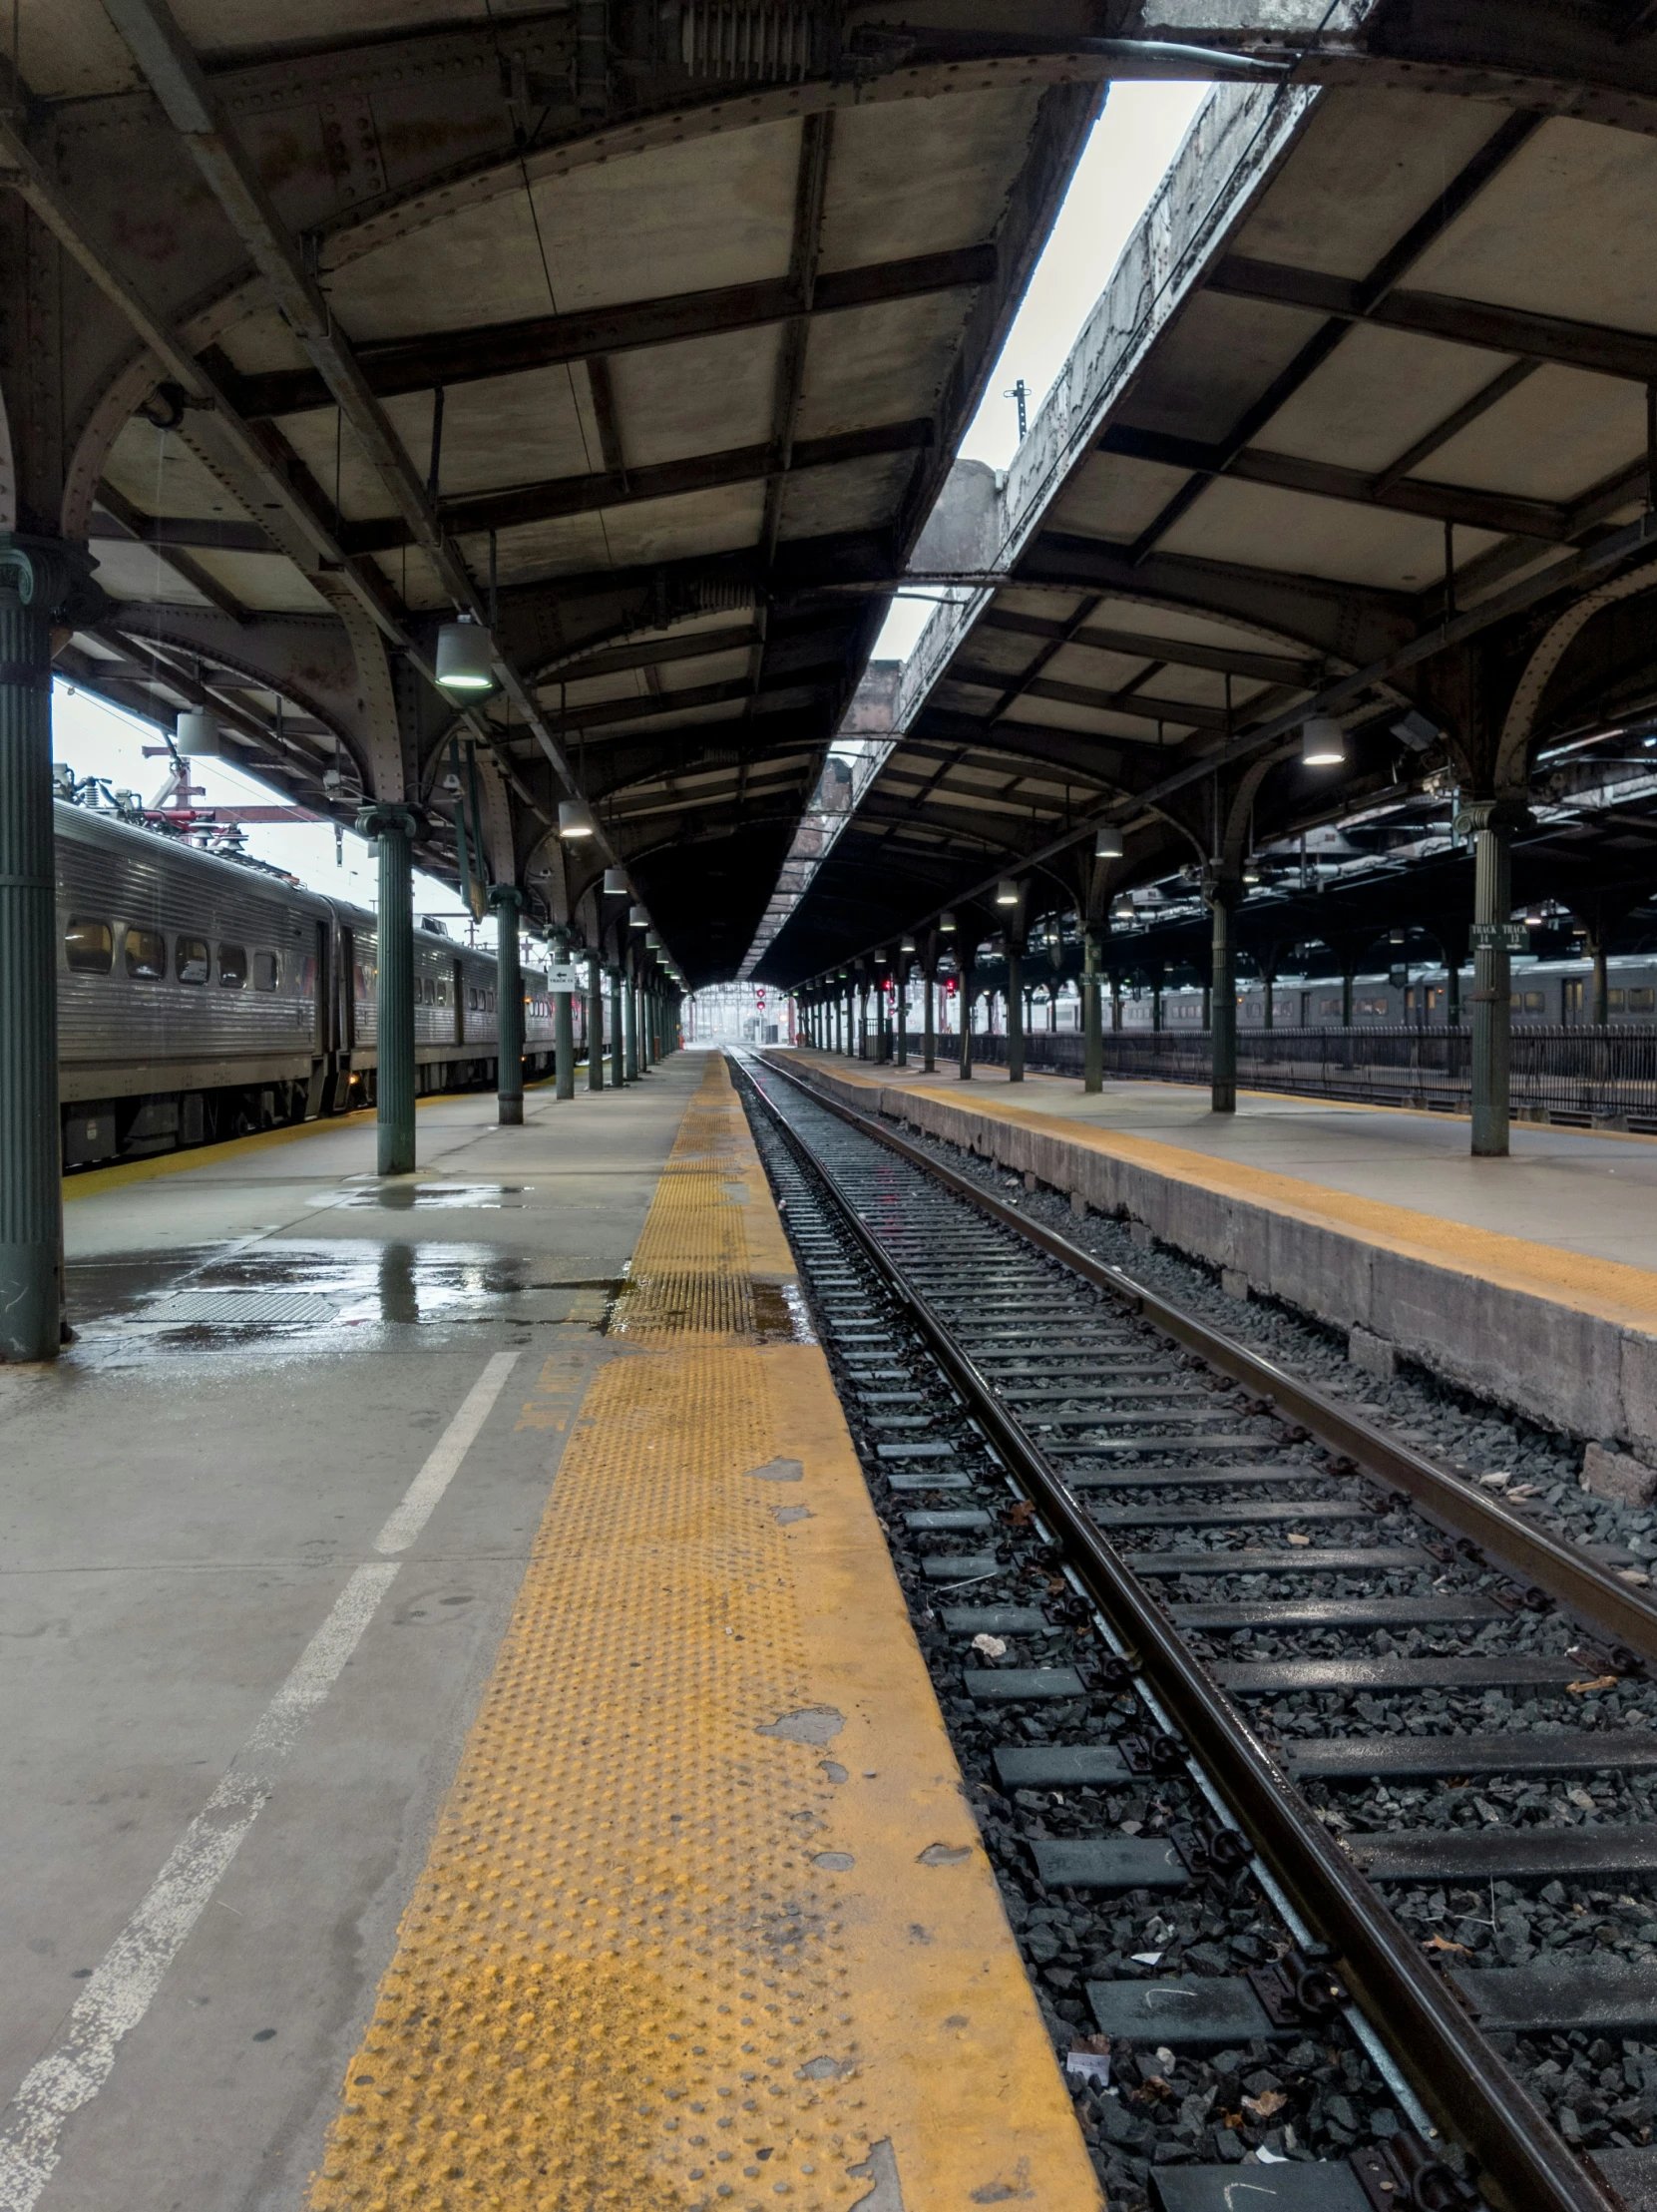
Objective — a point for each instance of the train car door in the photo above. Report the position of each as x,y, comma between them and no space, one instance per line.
321,1075
457,983
323,1013
346,1026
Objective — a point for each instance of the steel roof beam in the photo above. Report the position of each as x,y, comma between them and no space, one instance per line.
625,487
129,525
1628,354
1177,653
783,692
1081,694
391,368
1364,297
187,100
1499,511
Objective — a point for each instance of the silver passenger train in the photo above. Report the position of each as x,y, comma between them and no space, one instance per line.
1547,993
200,998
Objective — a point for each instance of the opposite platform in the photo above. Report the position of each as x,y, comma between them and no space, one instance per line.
1525,1279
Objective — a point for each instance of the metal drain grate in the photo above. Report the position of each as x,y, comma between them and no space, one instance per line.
240,1309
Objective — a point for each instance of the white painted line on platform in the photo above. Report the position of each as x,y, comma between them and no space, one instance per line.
420,1499
124,1984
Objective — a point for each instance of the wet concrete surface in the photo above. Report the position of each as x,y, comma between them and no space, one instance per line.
269,1347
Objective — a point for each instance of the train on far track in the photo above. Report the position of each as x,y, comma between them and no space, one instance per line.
1545,993
202,997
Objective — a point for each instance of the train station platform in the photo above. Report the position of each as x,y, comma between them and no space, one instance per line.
462,1739
1530,1279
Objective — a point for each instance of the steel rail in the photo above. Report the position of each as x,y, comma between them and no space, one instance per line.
1565,1572
1460,2075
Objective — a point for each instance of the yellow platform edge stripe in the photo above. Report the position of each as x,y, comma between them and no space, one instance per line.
706,1922
1611,1290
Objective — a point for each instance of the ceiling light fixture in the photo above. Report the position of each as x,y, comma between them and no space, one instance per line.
616,883
196,736
1107,843
465,657
575,819
1323,743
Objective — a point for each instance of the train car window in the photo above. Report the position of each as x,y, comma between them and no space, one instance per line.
233,966
361,981
488,1002
442,992
1642,1001
89,947
189,958
265,971
1329,1005
1371,1006
145,952
429,992
1614,1001
308,976
1534,1002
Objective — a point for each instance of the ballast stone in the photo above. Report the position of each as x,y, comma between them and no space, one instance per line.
1618,1475
1376,1354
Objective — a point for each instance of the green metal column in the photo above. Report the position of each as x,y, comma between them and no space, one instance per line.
1115,1002
392,829
903,1010
1093,1045
1492,993
595,1024
1223,892
928,1034
963,1060
618,1028
1014,1012
38,580
629,1017
507,902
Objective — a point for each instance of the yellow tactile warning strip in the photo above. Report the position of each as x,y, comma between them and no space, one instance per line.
1608,1288
706,1922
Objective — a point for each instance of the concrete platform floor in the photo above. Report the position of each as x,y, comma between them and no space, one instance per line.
1574,1189
238,1652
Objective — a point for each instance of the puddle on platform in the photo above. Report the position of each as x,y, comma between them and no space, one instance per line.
409,1198
297,1292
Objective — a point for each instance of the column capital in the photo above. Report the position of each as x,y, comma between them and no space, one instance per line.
504,895
52,575
1220,888
1473,815
382,820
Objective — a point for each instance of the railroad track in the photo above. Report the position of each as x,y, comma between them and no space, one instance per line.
1317,1782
